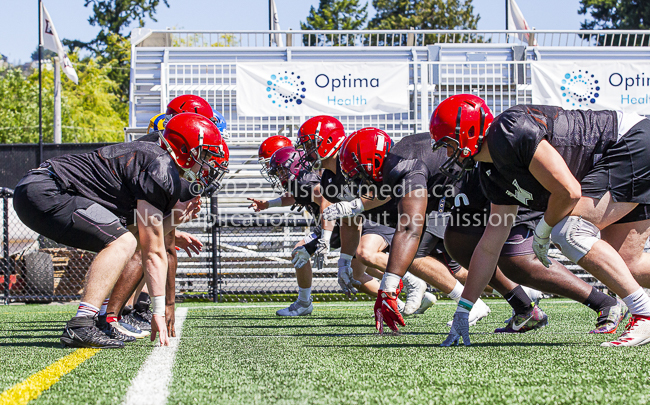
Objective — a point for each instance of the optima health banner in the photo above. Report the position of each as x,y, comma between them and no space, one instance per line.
595,85
314,88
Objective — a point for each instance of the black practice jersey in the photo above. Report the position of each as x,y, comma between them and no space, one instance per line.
411,165
336,189
116,176
186,192
580,136
472,208
302,190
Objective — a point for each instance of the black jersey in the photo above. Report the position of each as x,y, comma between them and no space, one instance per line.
186,192
580,136
302,190
472,208
116,176
411,165
335,189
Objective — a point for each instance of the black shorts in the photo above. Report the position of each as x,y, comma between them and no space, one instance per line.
431,245
519,242
374,228
44,206
335,240
624,169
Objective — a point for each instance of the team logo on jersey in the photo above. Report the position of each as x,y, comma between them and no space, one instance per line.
286,89
580,88
520,194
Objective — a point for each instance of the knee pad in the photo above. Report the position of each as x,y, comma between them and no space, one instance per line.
575,237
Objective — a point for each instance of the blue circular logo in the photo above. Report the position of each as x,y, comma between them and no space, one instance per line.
580,88
285,89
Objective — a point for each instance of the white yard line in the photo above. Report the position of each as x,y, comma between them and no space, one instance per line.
150,386
359,304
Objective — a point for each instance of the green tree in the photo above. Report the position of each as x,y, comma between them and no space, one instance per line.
334,15
46,54
111,43
423,15
618,15
90,111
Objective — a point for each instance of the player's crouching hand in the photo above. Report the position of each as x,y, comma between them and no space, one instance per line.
158,326
170,318
185,211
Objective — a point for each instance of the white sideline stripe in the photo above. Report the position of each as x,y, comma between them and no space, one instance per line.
500,302
150,386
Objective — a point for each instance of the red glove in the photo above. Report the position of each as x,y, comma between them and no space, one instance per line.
386,311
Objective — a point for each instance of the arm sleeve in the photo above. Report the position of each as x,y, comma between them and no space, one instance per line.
159,185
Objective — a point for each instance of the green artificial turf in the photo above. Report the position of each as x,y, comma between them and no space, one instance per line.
244,354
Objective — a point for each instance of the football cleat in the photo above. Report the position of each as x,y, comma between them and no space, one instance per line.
609,319
130,330
479,311
298,308
534,295
82,331
143,312
415,289
533,319
427,302
637,333
111,331
136,321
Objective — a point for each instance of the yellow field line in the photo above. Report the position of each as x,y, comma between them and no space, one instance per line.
34,386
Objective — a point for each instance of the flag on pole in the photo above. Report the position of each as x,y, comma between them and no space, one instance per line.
50,40
516,21
275,25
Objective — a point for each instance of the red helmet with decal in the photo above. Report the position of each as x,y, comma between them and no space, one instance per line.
320,137
460,123
267,149
362,156
192,139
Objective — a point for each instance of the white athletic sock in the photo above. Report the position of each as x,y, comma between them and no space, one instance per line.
456,292
400,305
86,309
638,302
102,310
304,294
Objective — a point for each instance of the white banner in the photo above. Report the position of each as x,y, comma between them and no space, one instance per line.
50,40
336,88
594,85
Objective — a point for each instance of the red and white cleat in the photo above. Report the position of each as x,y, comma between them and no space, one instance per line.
637,333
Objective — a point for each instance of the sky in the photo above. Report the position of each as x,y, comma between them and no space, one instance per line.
19,19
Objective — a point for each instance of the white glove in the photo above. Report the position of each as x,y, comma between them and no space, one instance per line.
343,209
542,242
459,328
346,281
299,257
323,245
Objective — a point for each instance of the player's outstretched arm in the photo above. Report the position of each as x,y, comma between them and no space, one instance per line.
154,260
481,268
550,169
261,205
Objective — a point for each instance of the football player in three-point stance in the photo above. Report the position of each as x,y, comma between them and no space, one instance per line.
92,196
588,171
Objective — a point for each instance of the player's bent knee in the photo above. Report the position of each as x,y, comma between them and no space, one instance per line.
575,237
127,242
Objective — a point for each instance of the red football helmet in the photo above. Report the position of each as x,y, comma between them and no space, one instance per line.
267,149
460,123
321,136
362,157
189,103
192,139
284,167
